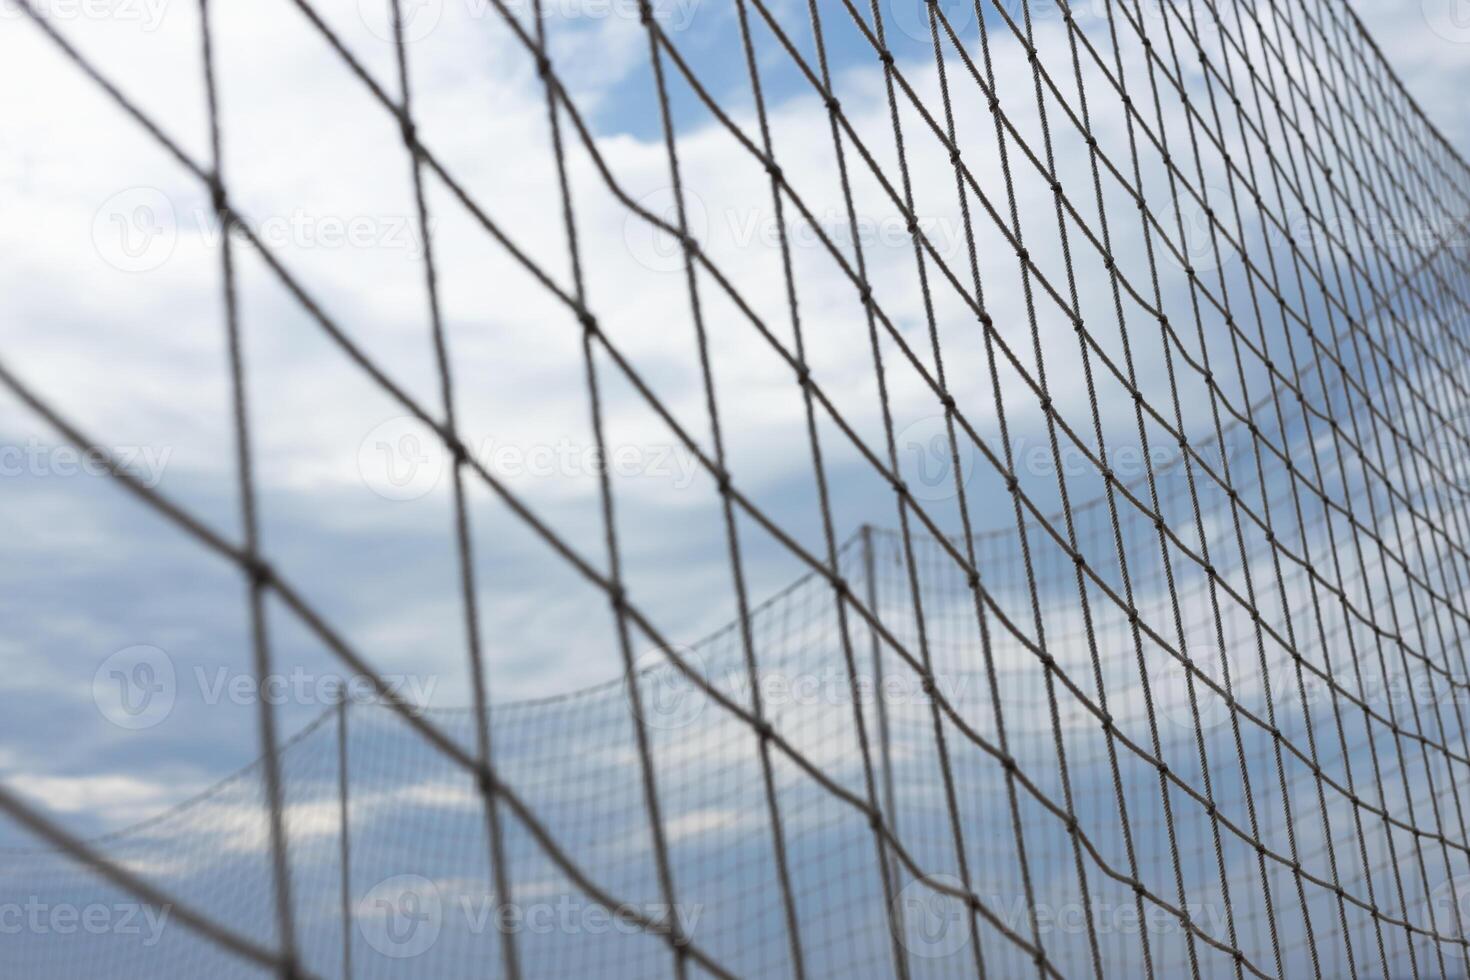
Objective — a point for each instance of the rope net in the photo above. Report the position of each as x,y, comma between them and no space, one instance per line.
1197,709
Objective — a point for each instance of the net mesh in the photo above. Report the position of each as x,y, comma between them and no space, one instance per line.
1194,709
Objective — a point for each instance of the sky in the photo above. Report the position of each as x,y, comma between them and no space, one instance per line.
113,315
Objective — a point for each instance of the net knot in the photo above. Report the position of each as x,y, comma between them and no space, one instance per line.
774,170
260,572
832,104
408,129
886,57
947,400
217,193
485,781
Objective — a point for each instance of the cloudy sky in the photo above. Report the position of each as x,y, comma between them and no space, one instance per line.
109,269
